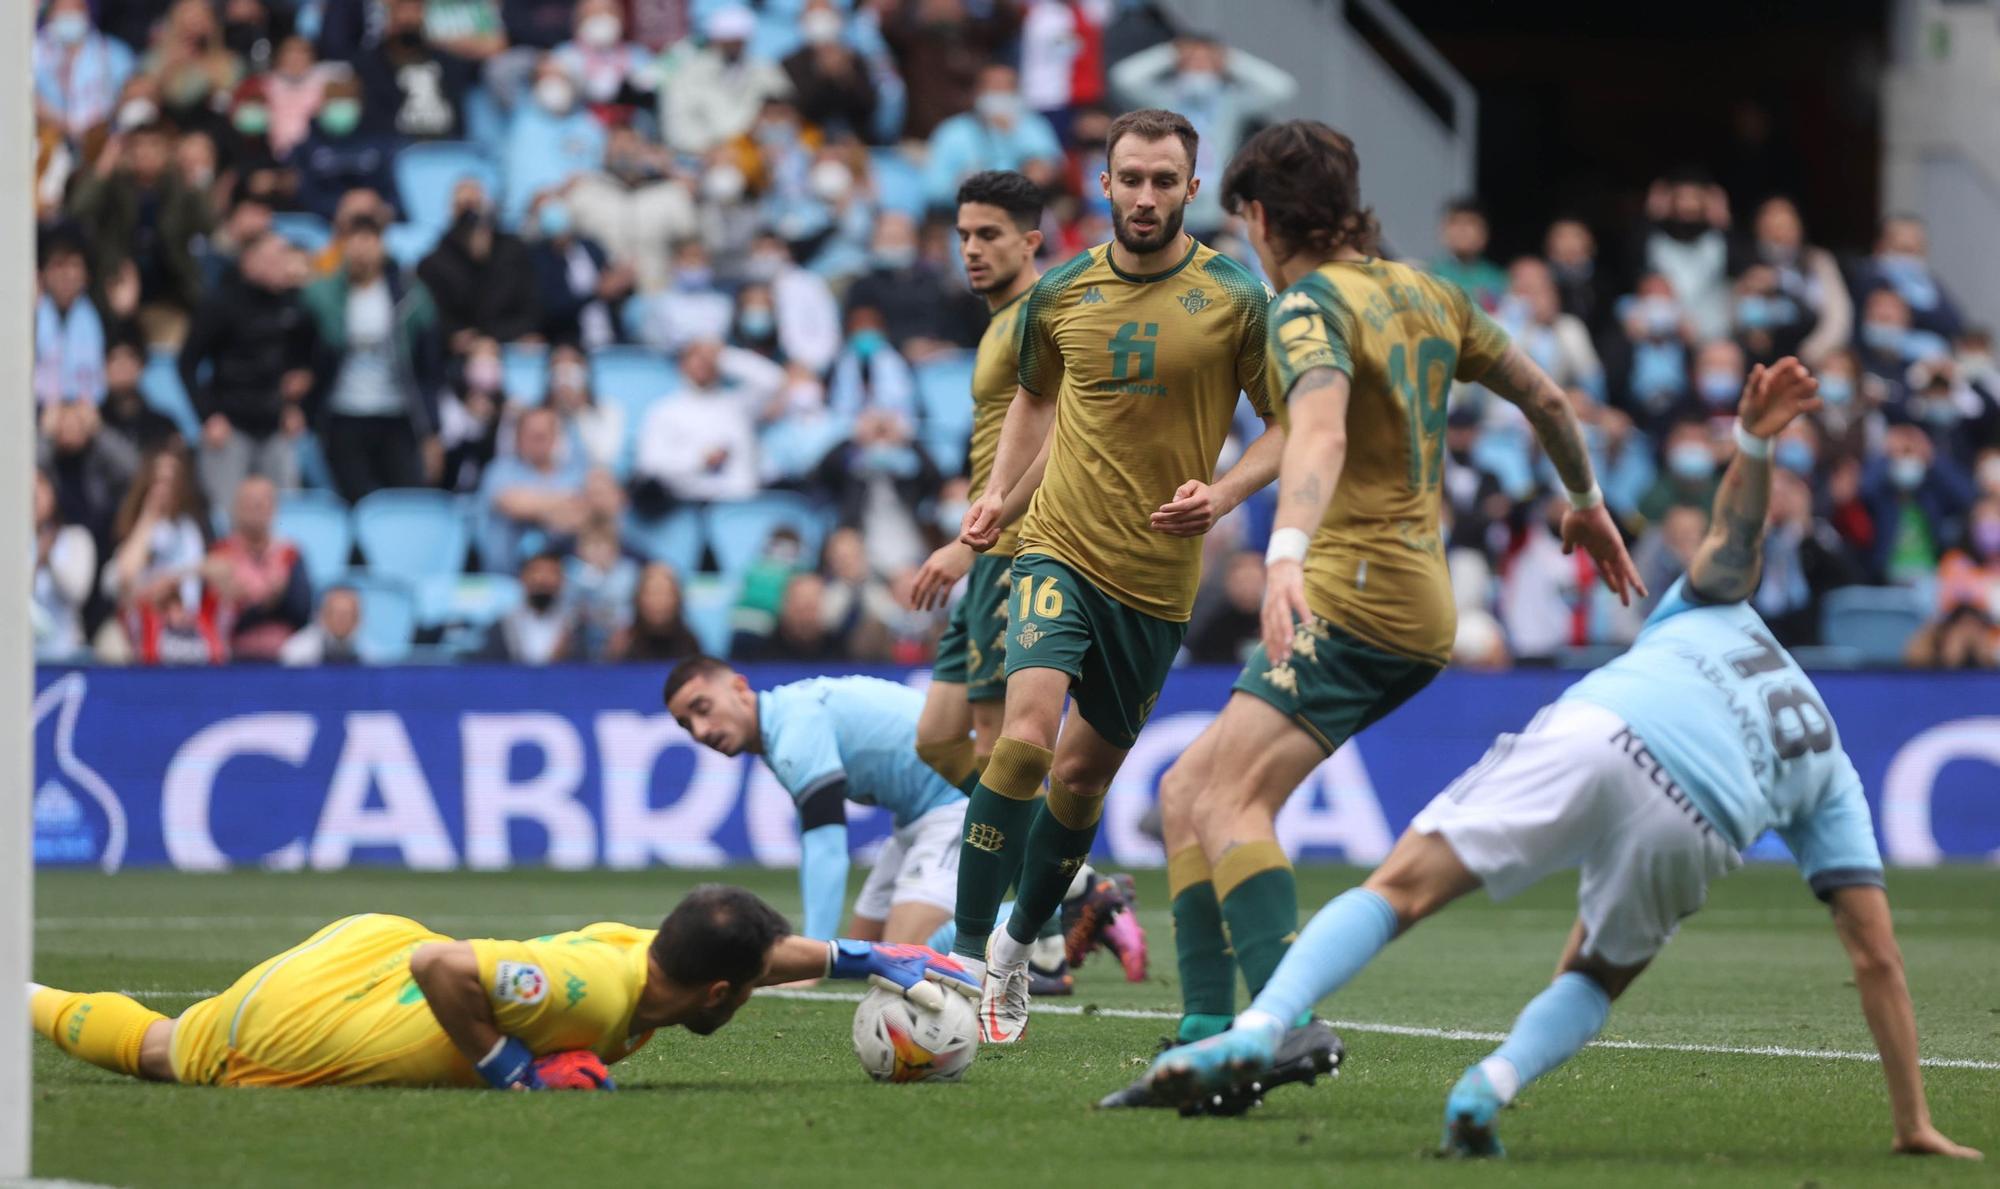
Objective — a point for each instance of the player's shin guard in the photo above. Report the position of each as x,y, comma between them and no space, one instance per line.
997,825
1260,906
953,760
1548,1032
1058,846
1342,938
1208,971
103,1028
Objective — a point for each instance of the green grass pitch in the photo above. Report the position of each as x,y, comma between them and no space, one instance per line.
777,1098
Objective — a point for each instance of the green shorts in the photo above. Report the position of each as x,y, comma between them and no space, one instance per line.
1117,658
973,650
1333,685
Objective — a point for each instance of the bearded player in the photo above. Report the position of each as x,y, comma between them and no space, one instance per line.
1135,352
999,216
1358,611
1652,774
381,1000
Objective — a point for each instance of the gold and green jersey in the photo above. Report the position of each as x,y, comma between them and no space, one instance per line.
1376,567
1145,371
996,372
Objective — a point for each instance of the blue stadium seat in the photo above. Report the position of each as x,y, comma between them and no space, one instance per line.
318,523
944,399
631,378
485,121
705,606
426,173
737,531
675,538
161,385
465,606
1875,621
388,617
899,184
526,375
411,534
303,229
408,243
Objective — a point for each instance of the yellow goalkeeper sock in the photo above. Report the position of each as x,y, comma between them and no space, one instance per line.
103,1028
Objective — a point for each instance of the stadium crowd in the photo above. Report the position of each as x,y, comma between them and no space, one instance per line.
547,330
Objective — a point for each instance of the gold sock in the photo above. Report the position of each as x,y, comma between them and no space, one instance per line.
949,758
103,1028
1078,811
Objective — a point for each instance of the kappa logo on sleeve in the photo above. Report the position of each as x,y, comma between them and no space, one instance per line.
520,982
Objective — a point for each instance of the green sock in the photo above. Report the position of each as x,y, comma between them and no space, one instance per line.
1208,971
997,826
1260,905
1055,851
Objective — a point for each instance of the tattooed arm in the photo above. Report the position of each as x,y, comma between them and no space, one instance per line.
1314,453
1519,381
1726,566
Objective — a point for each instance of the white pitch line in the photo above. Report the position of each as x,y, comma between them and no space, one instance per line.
1367,1026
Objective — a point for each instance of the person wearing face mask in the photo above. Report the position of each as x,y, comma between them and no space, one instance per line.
634,206
551,141
479,276
1532,312
1685,241
382,350
1719,369
190,62
612,74
691,308
340,155
580,290
1648,367
1902,262
913,300
125,413
831,82
1799,272
79,72
545,628
1688,472
805,314
998,133
413,89
1970,574
592,432
69,332
1917,501
715,92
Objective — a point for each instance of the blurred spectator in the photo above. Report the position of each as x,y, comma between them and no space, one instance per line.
469,417
691,308
1890,342
713,93
613,74
915,302
656,630
155,574
1767,322
189,61
412,88
79,72
1664,552
1475,504
943,46
591,431
578,289
1620,455
91,470
1532,312
762,589
1648,366
134,209
341,155
531,495
1572,255
537,24
248,219
543,630
601,578
65,569
831,82
1803,559
69,334
381,362
1545,594
1225,93
251,31
1685,241
802,635
333,638
756,325
1691,475
125,413
699,443
635,207
550,141
880,474
998,133
1230,627
1463,235
1902,263
469,29
258,577
1917,503
1962,638
1062,57
806,317
1954,413
1719,371
293,91
256,341
858,606
1968,575
481,278
1806,275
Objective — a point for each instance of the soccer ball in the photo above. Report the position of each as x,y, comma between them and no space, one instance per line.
897,1041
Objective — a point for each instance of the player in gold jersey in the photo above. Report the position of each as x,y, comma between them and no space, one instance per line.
1358,613
1134,352
381,1000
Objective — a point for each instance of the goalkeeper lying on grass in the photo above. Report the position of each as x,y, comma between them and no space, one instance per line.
382,1000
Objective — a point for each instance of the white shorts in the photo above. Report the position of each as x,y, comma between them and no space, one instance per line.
1579,788
917,863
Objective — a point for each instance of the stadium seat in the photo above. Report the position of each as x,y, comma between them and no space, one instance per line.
426,173
631,378
706,604
161,385
737,531
1875,621
899,184
411,534
944,397
465,606
388,617
525,378
318,523
675,538
303,229
485,121
408,243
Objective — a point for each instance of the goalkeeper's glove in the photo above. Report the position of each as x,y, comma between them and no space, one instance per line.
914,971
579,1069
510,1066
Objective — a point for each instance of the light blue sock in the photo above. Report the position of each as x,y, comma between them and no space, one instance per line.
1340,940
947,933
1548,1032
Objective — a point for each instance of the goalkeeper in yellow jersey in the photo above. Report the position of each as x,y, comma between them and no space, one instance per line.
381,1000
1358,613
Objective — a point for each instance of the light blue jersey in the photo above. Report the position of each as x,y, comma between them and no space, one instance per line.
859,729
1739,726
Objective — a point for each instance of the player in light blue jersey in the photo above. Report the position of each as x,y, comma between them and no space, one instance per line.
1652,774
831,740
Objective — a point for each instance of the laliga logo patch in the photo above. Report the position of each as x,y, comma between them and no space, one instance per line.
520,982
